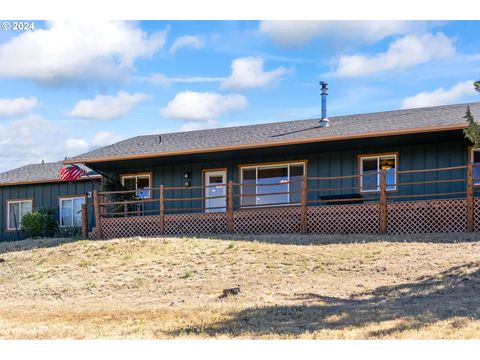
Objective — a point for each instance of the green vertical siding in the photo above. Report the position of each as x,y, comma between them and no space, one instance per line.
320,164
44,195
334,163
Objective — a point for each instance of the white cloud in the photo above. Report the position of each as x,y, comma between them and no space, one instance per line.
406,52
30,140
78,145
473,57
191,125
202,109
300,32
16,106
104,138
3,135
100,139
197,79
75,146
249,73
156,79
439,96
106,107
33,139
159,79
75,50
186,41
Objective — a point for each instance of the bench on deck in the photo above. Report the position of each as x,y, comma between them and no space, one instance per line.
342,199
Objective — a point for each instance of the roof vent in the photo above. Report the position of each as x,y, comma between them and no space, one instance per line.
159,139
324,122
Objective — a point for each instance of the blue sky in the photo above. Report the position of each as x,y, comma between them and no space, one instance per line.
66,88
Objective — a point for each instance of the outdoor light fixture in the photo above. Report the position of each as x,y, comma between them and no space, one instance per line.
187,182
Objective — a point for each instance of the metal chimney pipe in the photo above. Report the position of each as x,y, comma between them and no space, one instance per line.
324,90
324,122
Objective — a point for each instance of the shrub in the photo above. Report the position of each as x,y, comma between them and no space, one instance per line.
39,223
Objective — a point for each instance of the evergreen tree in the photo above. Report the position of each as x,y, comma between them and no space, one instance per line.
472,131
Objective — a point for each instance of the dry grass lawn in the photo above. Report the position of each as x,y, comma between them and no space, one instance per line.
323,287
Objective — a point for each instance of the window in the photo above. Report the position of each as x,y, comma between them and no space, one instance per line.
16,209
140,182
71,211
476,166
262,181
370,167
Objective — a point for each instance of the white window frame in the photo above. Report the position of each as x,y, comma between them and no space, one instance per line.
276,165
60,211
378,157
16,201
476,182
136,176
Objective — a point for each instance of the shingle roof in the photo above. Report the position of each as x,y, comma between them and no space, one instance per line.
35,173
278,133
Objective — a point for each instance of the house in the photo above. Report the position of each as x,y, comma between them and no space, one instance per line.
40,186
421,155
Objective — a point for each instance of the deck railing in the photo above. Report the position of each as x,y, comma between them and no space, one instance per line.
301,192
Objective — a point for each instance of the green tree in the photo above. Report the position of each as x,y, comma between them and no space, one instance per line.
472,131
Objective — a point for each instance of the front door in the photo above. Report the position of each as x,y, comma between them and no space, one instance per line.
216,191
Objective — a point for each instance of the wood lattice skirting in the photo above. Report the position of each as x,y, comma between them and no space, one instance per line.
406,217
476,215
429,216
280,220
196,223
343,219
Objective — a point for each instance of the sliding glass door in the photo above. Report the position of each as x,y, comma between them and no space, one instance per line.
269,185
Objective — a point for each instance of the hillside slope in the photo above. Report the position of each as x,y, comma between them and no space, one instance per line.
351,287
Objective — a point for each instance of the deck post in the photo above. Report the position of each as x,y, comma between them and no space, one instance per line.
303,206
98,217
383,202
84,221
162,211
469,199
102,199
230,206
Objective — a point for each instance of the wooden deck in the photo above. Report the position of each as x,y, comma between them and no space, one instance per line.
380,212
